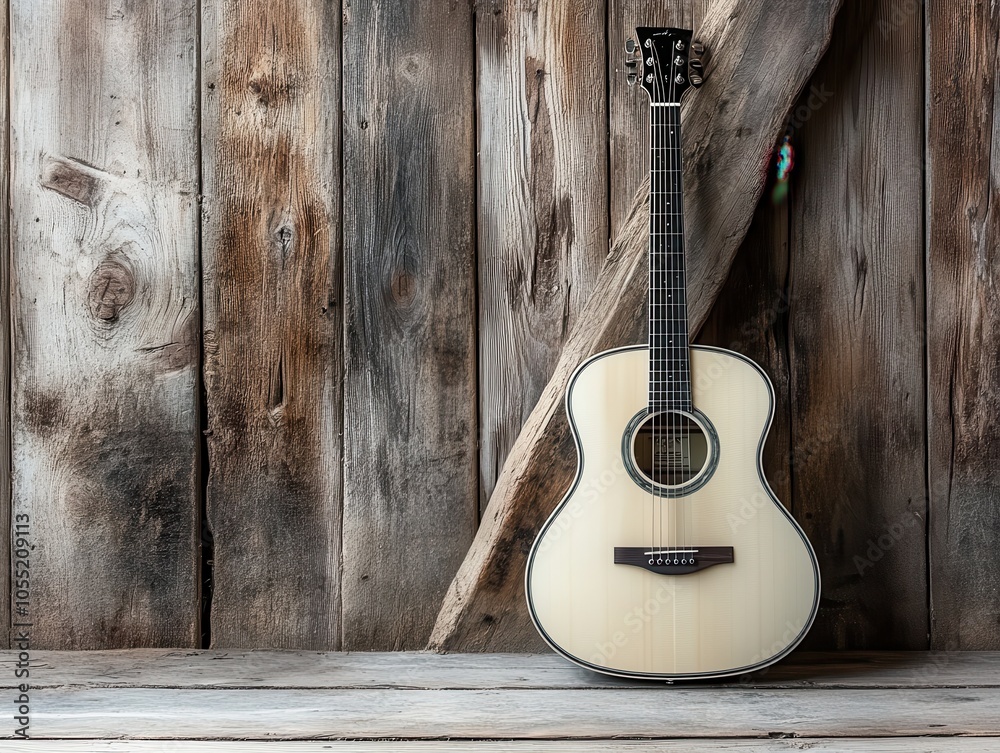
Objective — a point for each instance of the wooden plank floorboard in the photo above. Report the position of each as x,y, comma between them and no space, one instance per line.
862,745
264,713
180,668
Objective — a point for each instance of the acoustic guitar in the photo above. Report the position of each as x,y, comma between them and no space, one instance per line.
670,557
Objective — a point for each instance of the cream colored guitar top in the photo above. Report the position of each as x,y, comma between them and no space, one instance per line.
670,557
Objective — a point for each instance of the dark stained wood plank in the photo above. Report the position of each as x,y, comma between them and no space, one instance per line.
105,318
410,427
856,323
963,321
628,109
273,354
750,317
763,53
543,193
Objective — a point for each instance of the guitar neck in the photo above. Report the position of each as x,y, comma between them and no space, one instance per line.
669,357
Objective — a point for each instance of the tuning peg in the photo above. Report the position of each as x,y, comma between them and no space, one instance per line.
697,48
631,61
697,74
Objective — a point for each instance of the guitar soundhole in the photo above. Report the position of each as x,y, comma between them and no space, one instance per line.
670,448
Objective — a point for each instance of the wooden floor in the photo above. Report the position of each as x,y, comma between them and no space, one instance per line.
244,701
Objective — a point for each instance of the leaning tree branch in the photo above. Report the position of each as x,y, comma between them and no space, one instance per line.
763,53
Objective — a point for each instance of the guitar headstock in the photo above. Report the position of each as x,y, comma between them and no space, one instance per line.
671,62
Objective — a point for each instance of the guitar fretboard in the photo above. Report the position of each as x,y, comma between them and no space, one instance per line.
669,359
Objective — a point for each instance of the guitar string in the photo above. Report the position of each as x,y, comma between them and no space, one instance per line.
662,348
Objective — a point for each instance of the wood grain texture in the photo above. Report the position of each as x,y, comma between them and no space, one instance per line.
272,321
525,714
750,316
105,318
861,745
963,322
410,418
856,321
5,360
543,193
763,52
628,108
165,668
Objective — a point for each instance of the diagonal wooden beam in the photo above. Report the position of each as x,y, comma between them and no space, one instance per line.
763,52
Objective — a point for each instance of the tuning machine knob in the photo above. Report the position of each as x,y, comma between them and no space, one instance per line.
631,61
697,75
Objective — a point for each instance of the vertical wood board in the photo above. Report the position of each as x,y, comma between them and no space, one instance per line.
856,324
273,353
542,207
104,223
410,419
963,322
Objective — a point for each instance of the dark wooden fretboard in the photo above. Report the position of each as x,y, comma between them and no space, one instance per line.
669,359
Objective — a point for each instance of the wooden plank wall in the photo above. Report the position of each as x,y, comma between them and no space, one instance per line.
277,425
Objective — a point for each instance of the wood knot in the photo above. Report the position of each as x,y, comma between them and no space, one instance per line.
403,288
112,288
71,179
270,90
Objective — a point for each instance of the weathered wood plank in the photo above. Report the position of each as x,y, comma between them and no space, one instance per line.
543,194
5,360
273,349
856,323
309,669
628,109
410,455
762,54
863,745
378,713
105,316
963,321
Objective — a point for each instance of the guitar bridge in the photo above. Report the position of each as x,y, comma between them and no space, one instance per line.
673,560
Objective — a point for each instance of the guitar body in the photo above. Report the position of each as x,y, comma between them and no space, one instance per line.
746,586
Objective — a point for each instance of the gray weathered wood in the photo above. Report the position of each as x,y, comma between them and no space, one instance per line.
637,712
5,360
104,225
839,745
762,54
410,427
272,321
856,321
309,669
543,193
963,322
